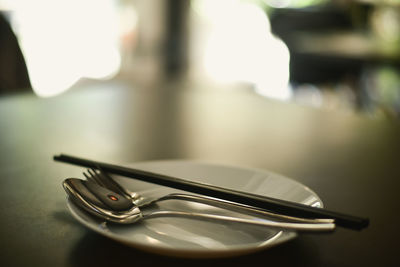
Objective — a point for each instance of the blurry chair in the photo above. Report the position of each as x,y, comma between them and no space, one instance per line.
13,71
310,67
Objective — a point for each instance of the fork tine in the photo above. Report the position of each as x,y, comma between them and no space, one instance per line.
89,178
114,185
105,180
101,177
95,178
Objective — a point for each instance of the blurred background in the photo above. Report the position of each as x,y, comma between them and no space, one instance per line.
329,54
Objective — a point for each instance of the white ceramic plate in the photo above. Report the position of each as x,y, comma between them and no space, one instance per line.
192,238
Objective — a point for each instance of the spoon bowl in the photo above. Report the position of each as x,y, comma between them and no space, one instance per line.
101,201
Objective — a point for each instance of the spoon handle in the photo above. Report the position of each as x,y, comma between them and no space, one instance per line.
235,207
300,227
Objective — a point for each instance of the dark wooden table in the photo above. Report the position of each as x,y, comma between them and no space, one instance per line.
351,161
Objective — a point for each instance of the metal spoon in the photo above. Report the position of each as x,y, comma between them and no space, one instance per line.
113,207
102,178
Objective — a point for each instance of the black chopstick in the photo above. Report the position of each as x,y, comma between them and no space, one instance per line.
262,202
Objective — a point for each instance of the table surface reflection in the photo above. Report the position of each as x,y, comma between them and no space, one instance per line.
349,160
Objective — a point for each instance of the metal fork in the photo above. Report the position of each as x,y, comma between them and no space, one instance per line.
104,179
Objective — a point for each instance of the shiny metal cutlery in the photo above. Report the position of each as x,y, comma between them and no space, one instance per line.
111,206
104,179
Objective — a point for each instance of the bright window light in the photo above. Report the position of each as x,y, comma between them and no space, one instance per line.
66,40
293,3
241,48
